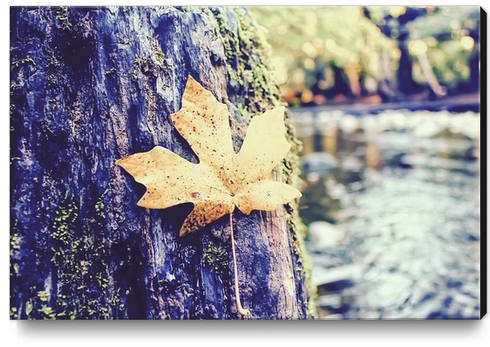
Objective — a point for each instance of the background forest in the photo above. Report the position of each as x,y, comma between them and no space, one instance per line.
327,55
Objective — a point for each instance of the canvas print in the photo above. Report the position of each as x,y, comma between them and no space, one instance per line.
245,163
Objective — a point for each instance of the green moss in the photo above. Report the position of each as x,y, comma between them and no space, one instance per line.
66,215
246,58
79,255
36,307
139,65
52,103
14,85
13,159
116,298
52,63
110,72
215,256
157,50
14,238
13,313
63,21
230,44
52,70
47,312
160,56
27,60
14,269
247,62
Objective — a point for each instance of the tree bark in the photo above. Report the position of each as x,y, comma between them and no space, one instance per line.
93,85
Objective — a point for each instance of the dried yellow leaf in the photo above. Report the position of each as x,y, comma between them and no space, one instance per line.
222,179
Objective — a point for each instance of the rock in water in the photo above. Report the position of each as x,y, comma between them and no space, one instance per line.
324,234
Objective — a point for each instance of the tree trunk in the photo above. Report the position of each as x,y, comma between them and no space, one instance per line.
93,85
405,81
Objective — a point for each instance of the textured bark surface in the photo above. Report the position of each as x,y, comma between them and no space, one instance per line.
93,85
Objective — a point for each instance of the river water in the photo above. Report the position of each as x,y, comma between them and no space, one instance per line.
392,205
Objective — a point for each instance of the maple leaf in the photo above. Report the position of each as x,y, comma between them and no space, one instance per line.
223,179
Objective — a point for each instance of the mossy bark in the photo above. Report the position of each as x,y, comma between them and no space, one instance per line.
91,85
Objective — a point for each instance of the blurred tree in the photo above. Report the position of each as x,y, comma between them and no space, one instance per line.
439,46
393,21
451,39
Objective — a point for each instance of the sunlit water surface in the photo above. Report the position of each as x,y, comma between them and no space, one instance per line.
392,205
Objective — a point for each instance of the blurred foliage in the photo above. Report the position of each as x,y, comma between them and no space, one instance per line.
308,43
335,53
445,23
448,36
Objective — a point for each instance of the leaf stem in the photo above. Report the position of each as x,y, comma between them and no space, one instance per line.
237,292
